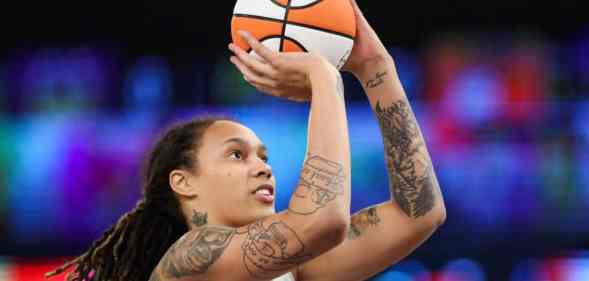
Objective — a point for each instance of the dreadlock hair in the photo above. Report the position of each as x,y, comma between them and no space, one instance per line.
130,249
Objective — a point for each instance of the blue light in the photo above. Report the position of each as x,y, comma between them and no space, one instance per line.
577,270
581,121
148,86
463,270
473,97
393,276
527,270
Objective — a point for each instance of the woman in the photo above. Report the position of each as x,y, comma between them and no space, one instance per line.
208,206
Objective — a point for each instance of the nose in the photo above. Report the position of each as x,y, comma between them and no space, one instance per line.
263,169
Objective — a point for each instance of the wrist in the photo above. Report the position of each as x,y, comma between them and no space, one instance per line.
367,69
322,70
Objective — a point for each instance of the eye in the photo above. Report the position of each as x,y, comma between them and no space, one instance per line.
264,158
236,154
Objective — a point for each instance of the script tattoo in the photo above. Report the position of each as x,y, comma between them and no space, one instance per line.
196,251
411,178
321,181
362,221
378,80
271,249
198,218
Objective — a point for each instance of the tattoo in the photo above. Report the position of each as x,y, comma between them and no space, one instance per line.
361,221
272,248
321,181
196,251
378,80
411,177
198,218
154,276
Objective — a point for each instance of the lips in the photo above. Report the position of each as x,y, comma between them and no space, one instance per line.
264,193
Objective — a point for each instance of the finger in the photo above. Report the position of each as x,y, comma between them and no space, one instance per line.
253,63
251,76
265,89
267,54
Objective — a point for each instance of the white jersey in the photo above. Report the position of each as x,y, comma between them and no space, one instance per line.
286,277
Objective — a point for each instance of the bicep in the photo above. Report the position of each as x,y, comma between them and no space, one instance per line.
265,249
378,237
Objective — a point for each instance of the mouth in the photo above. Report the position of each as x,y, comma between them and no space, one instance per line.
264,193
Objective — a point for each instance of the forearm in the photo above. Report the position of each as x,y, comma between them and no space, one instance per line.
412,180
324,185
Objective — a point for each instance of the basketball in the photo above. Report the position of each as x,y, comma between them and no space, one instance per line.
325,27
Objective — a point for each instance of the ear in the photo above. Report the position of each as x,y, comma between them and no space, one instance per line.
181,183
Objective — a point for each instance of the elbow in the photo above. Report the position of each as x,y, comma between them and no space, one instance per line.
335,230
340,228
441,217
438,217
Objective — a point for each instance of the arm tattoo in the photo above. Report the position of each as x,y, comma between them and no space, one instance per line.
196,251
321,181
411,178
362,221
270,249
377,81
198,218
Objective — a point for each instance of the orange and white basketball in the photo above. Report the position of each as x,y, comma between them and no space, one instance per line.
326,27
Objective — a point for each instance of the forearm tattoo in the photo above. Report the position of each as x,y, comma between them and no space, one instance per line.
361,221
321,182
377,80
196,251
272,248
411,178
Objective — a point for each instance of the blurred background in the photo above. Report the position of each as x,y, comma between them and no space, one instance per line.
500,89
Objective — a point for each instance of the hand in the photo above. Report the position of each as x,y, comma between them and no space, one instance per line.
276,73
367,46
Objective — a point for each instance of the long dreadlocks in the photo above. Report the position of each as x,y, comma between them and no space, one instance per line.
130,249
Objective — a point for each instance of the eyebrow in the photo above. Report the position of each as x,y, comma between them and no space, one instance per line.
241,141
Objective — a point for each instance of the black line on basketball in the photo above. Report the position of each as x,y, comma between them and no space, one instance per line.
307,6
277,3
297,43
284,26
321,29
257,17
262,41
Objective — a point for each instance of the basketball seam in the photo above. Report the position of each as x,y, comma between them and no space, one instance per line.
322,29
308,5
284,22
297,24
262,39
297,43
276,3
258,17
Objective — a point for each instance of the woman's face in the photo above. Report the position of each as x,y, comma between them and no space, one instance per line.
234,183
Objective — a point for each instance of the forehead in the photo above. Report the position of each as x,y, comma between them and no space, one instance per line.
221,131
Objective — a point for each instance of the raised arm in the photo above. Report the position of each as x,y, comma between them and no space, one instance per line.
318,213
381,235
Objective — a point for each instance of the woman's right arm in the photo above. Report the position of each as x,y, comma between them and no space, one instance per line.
318,214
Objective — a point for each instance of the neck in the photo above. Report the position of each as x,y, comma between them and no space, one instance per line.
198,219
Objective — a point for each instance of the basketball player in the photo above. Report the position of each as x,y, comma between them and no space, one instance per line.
208,206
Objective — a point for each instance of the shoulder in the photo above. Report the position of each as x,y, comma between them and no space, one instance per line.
194,252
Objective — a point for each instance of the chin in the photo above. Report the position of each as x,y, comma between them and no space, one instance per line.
263,212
